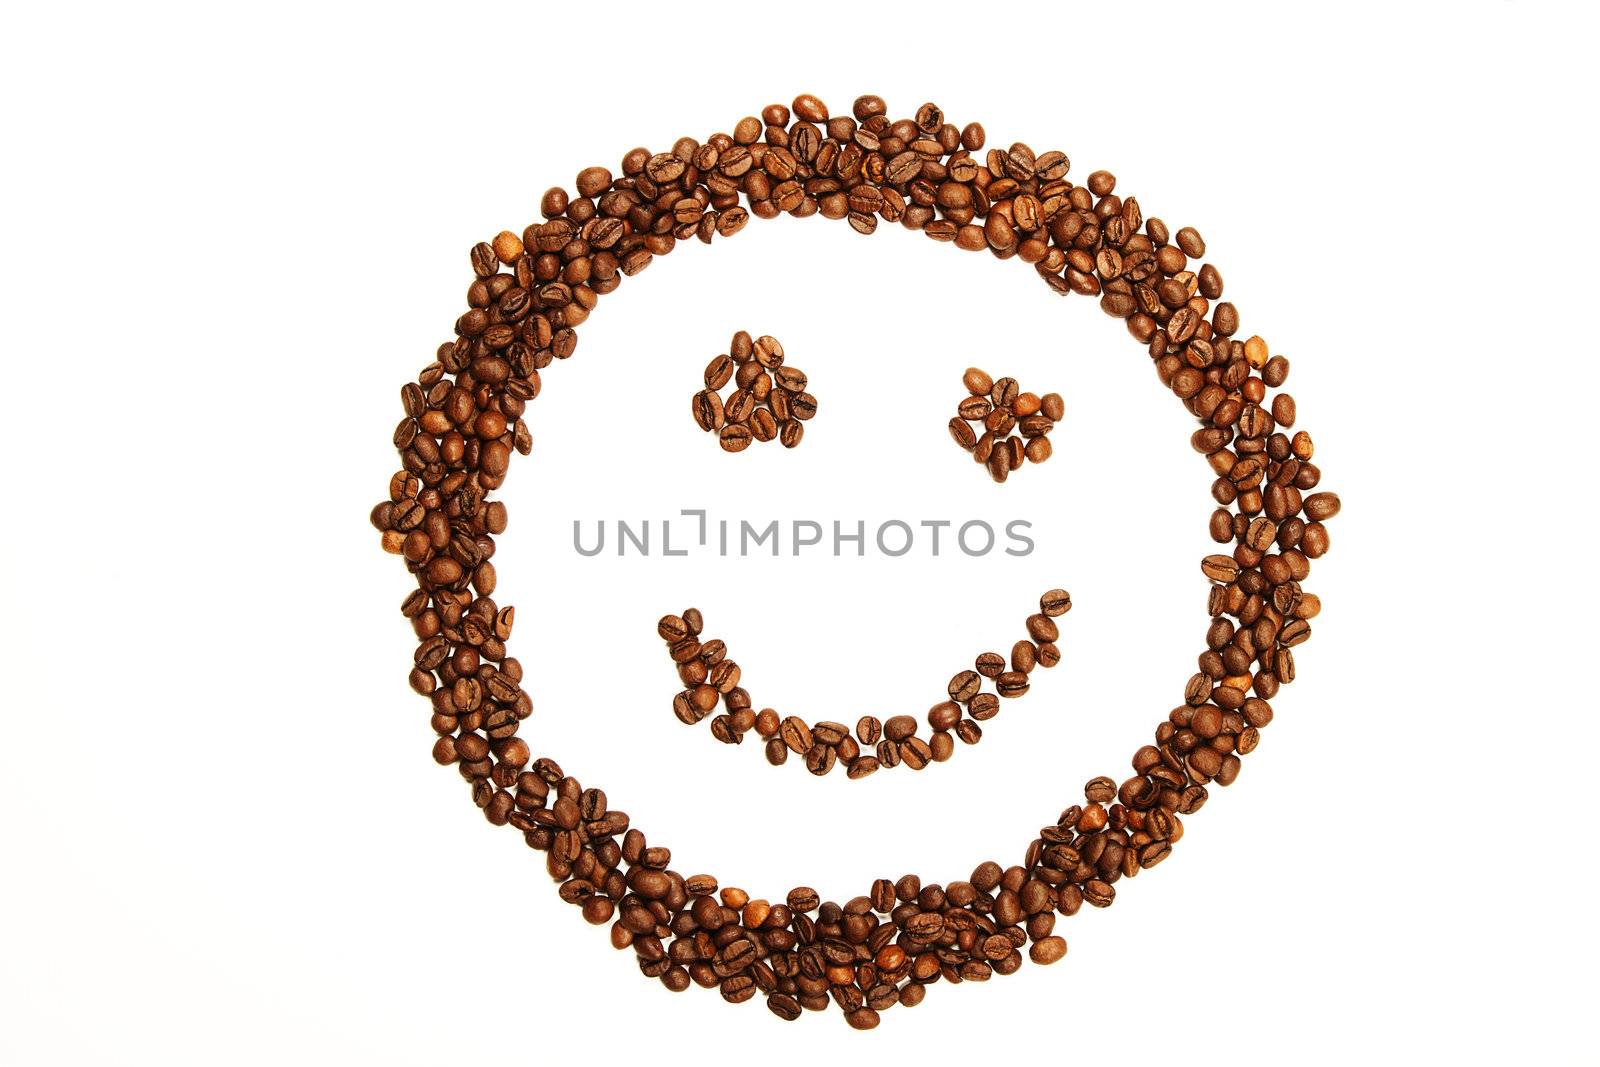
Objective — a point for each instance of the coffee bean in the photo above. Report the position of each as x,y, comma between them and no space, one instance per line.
769,352
1048,950
1055,603
962,434
899,727
739,406
790,379
984,706
719,372
796,734
820,758
999,464
964,686
861,767
734,437
974,408
1320,506
1011,684
708,411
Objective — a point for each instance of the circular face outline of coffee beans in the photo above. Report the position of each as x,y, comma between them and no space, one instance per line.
464,418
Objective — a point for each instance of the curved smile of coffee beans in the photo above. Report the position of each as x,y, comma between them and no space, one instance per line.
466,413
710,677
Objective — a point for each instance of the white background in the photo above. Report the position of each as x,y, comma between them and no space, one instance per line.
232,232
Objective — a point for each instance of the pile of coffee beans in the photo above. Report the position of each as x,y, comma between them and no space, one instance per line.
709,677
1000,407
769,401
466,413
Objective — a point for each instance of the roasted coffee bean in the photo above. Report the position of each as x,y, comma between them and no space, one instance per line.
964,686
962,434
790,379
769,352
1055,603
719,372
796,734
984,706
974,408
739,406
735,437
708,412
1011,684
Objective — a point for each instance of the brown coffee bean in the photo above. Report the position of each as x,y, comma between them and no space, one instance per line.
763,427
1055,603
984,706
962,434
964,686
1048,950
719,372
989,664
739,406
974,408
769,352
708,411
999,464
734,437
899,727
796,734
915,753
1321,506
1189,241
1011,684
790,379
868,730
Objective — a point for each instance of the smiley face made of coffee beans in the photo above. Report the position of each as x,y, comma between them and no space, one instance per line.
465,415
